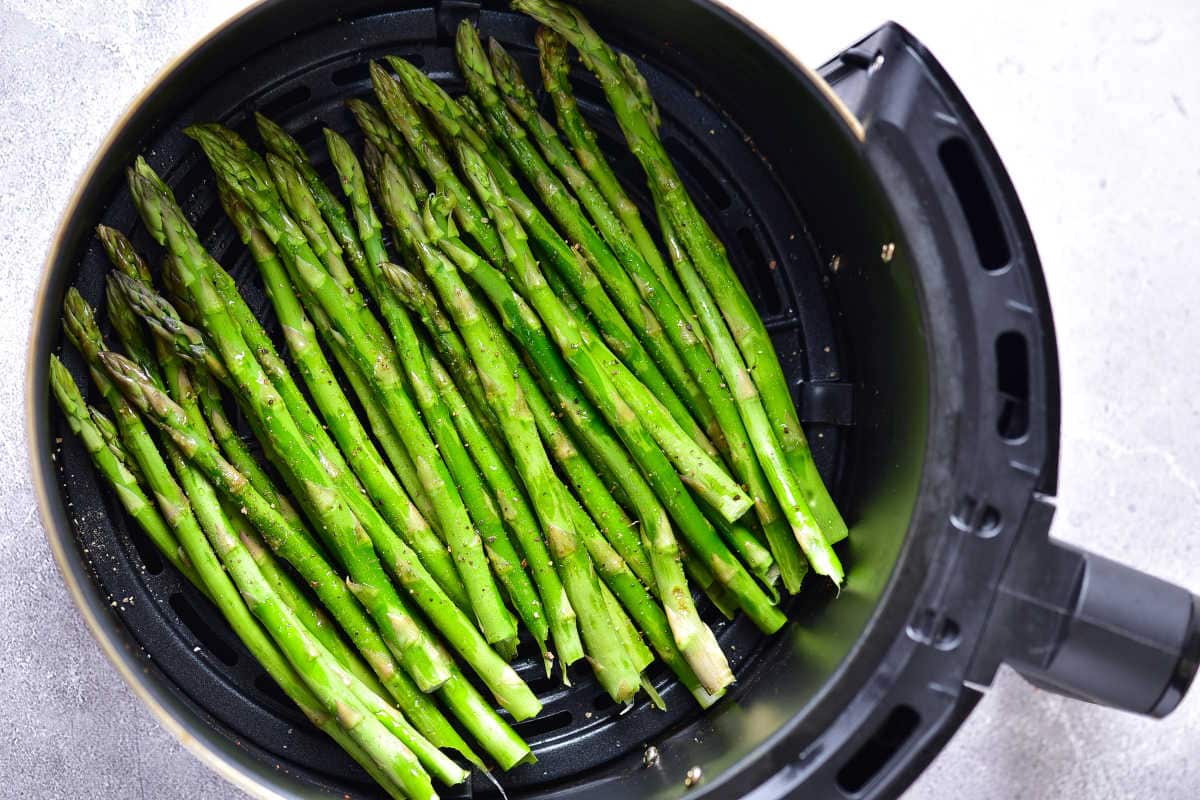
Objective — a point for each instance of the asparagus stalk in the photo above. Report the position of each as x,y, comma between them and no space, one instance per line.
547,494
497,623
268,262
379,365
559,615
339,691
116,471
82,330
594,364
583,141
312,472
618,529
634,281
340,225
403,115
552,50
503,556
783,482
389,497
665,375
710,260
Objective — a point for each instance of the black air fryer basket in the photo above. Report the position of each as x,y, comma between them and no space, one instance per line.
877,231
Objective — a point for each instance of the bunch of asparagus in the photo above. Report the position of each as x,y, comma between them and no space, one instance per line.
561,424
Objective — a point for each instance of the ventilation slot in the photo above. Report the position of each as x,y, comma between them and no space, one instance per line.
1012,385
544,724
972,193
756,274
285,101
699,172
877,751
209,638
348,76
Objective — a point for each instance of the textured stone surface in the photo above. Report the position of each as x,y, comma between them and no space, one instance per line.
1092,105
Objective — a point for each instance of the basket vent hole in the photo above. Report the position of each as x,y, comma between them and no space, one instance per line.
285,101
147,552
972,193
349,76
1012,386
603,703
208,637
757,276
875,753
543,724
710,184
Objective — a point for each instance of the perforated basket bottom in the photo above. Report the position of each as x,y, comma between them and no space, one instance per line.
302,83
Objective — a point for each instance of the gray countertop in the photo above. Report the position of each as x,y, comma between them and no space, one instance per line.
1094,107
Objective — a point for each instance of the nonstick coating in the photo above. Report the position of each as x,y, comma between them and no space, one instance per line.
301,83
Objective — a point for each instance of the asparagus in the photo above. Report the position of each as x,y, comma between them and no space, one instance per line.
338,690
116,470
390,499
657,536
403,115
804,527
582,138
725,424
548,495
379,365
107,429
560,616
693,637
710,260
555,69
505,562
267,260
635,278
81,329
284,146
312,472
228,602
589,356
665,374
151,196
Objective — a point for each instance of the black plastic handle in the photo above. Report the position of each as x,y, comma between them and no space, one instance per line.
1078,624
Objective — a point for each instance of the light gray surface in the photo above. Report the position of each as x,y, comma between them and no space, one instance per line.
1093,107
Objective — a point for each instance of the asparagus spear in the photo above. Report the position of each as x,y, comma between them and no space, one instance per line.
284,146
267,260
403,115
381,484
312,472
634,281
151,196
233,609
583,140
495,466
116,471
666,375
725,425
83,332
804,527
552,50
380,366
547,494
707,253
588,355
388,736
505,562
129,331
591,487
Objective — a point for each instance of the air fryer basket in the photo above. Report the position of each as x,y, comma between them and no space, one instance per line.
886,250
